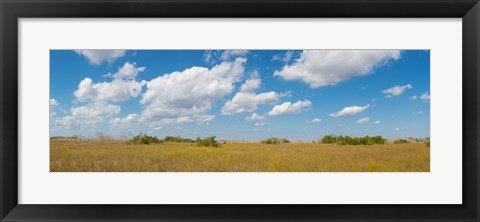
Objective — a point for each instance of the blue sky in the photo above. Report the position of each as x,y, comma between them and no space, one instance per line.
240,94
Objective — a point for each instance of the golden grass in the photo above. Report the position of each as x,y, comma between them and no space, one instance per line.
117,156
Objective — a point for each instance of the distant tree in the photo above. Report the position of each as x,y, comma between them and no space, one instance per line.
208,141
144,139
329,139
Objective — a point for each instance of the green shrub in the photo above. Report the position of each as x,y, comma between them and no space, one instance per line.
275,140
400,141
177,139
144,139
208,141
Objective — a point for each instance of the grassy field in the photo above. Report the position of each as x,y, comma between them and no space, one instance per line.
116,156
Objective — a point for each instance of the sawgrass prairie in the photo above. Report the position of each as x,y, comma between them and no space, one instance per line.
71,155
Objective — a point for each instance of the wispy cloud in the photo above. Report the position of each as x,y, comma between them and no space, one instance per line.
363,120
425,96
396,90
315,120
350,111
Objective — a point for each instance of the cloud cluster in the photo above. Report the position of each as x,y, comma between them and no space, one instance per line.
189,92
98,97
98,56
246,100
319,68
396,90
350,111
187,96
174,98
88,115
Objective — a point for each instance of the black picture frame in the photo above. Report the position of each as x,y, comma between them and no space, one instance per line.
11,11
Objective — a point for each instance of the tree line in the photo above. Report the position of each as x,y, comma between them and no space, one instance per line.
211,141
368,140
348,140
146,139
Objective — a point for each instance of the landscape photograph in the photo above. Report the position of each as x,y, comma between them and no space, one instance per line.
239,110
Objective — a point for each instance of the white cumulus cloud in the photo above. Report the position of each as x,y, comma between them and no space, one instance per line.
396,90
255,117
127,71
319,68
248,102
98,56
288,108
116,91
121,88
250,85
128,121
350,111
316,120
376,122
